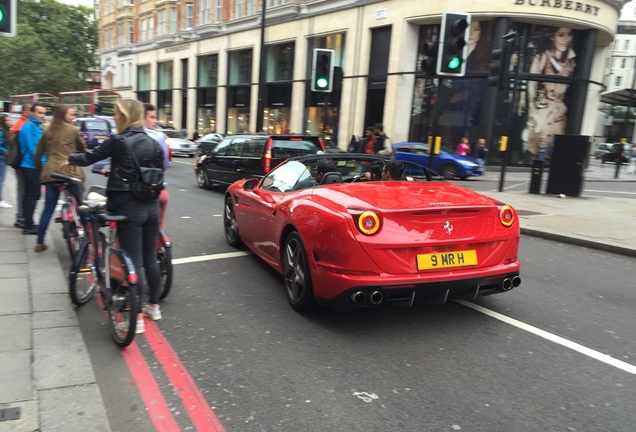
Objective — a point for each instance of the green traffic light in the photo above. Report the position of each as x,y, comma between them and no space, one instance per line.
322,83
454,63
1,14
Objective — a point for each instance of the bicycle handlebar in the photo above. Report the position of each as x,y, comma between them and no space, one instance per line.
66,178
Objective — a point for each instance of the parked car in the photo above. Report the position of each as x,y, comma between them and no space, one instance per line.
617,150
347,243
247,156
179,145
111,121
207,143
448,165
602,149
94,130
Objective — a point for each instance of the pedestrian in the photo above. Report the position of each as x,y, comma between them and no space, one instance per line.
481,151
150,127
632,160
28,139
5,136
195,135
139,235
542,148
60,140
184,133
19,216
367,143
463,148
382,141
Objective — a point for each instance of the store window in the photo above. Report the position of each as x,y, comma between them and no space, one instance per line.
164,70
280,62
240,71
164,93
208,70
143,83
207,80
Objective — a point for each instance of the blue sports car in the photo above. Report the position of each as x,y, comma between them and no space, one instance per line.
446,164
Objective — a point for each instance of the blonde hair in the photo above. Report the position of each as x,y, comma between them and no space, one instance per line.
133,113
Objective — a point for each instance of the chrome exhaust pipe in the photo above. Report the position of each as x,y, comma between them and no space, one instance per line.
358,297
506,284
516,281
377,297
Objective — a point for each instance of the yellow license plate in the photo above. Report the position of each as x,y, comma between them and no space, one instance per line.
101,136
442,260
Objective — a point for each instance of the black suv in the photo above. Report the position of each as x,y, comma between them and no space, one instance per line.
250,156
617,150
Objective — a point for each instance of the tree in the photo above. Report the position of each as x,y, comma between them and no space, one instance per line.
53,50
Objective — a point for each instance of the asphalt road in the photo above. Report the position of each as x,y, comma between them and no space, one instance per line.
263,367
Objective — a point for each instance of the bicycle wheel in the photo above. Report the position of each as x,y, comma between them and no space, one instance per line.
83,278
164,259
70,236
122,302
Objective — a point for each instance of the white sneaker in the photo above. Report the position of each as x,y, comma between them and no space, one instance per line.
152,313
140,327
4,204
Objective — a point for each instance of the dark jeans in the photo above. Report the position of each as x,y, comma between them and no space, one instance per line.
52,195
31,194
19,216
138,237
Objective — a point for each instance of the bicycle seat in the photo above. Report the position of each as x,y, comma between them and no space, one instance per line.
105,218
65,178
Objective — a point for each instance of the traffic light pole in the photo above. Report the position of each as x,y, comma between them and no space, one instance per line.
505,159
260,108
433,134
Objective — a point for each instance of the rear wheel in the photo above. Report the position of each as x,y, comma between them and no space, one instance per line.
230,223
83,280
122,302
69,231
448,171
164,259
297,274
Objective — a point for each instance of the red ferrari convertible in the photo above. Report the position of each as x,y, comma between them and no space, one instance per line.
347,242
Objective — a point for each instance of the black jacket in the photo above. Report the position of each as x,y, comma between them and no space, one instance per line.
122,168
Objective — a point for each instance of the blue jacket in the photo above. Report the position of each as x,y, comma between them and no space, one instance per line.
4,146
28,138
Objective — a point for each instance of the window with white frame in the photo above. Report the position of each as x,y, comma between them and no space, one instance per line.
120,3
120,34
619,81
173,20
623,63
131,32
161,22
626,45
218,10
275,2
238,8
189,15
251,7
151,27
204,11
144,30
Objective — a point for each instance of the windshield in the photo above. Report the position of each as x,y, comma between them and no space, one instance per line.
294,147
96,126
172,134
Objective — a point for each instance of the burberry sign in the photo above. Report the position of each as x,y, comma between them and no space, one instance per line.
562,4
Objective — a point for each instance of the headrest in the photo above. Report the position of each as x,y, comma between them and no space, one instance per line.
331,178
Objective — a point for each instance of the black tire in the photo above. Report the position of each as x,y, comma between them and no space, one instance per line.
448,171
122,304
164,259
191,155
230,225
70,238
202,179
297,275
83,280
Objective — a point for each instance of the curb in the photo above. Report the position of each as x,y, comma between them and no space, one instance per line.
578,241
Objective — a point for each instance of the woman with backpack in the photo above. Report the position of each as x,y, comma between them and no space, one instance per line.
60,140
5,136
134,158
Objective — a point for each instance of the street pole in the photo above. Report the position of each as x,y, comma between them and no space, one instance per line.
432,136
505,158
261,75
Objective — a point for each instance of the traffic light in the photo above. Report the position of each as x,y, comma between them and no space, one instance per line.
499,67
454,34
322,70
431,50
8,10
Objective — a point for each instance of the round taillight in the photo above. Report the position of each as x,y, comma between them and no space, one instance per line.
369,223
507,216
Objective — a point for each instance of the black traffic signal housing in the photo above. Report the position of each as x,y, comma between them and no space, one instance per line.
431,51
8,11
499,67
454,36
322,70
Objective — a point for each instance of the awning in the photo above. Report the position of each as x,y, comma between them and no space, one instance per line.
620,97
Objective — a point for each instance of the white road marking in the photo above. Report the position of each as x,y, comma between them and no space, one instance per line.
182,162
610,192
553,338
210,257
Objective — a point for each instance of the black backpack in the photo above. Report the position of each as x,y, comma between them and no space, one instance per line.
148,182
13,156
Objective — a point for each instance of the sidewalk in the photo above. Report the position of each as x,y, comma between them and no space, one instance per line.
47,381
45,369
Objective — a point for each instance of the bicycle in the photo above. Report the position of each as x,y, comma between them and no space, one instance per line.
72,227
116,282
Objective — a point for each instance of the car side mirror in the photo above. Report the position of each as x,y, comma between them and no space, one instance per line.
250,184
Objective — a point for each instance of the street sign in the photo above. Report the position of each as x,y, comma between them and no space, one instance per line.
607,120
